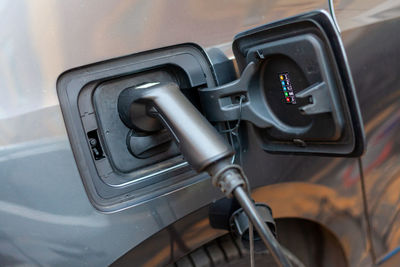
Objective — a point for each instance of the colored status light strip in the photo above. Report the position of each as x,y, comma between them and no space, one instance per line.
287,88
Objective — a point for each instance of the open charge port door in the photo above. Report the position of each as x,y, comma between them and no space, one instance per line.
298,90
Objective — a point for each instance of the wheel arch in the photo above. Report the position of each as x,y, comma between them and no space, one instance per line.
316,204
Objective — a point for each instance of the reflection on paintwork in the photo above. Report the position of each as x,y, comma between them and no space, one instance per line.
381,166
339,212
379,95
49,37
357,13
45,216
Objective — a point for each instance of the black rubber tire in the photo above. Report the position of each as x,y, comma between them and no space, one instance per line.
224,251
309,242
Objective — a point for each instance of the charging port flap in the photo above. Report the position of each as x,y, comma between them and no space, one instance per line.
302,81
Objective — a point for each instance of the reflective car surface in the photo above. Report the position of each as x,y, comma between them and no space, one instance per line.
46,217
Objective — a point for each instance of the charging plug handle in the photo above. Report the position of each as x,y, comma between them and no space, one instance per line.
201,145
199,142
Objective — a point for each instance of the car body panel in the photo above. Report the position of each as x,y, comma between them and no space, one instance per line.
375,62
46,217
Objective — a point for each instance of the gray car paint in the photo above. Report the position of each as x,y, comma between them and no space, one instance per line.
45,216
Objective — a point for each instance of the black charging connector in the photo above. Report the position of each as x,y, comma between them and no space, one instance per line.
227,214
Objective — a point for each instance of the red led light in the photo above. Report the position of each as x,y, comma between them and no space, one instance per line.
287,99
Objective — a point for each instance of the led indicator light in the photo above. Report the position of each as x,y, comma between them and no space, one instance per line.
286,85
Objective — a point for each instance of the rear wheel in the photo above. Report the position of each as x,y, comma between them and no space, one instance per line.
311,243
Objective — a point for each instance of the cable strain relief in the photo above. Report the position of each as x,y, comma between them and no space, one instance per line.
228,178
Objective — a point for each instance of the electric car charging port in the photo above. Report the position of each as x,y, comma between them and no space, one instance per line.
122,165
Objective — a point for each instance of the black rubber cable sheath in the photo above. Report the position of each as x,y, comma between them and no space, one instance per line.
262,229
